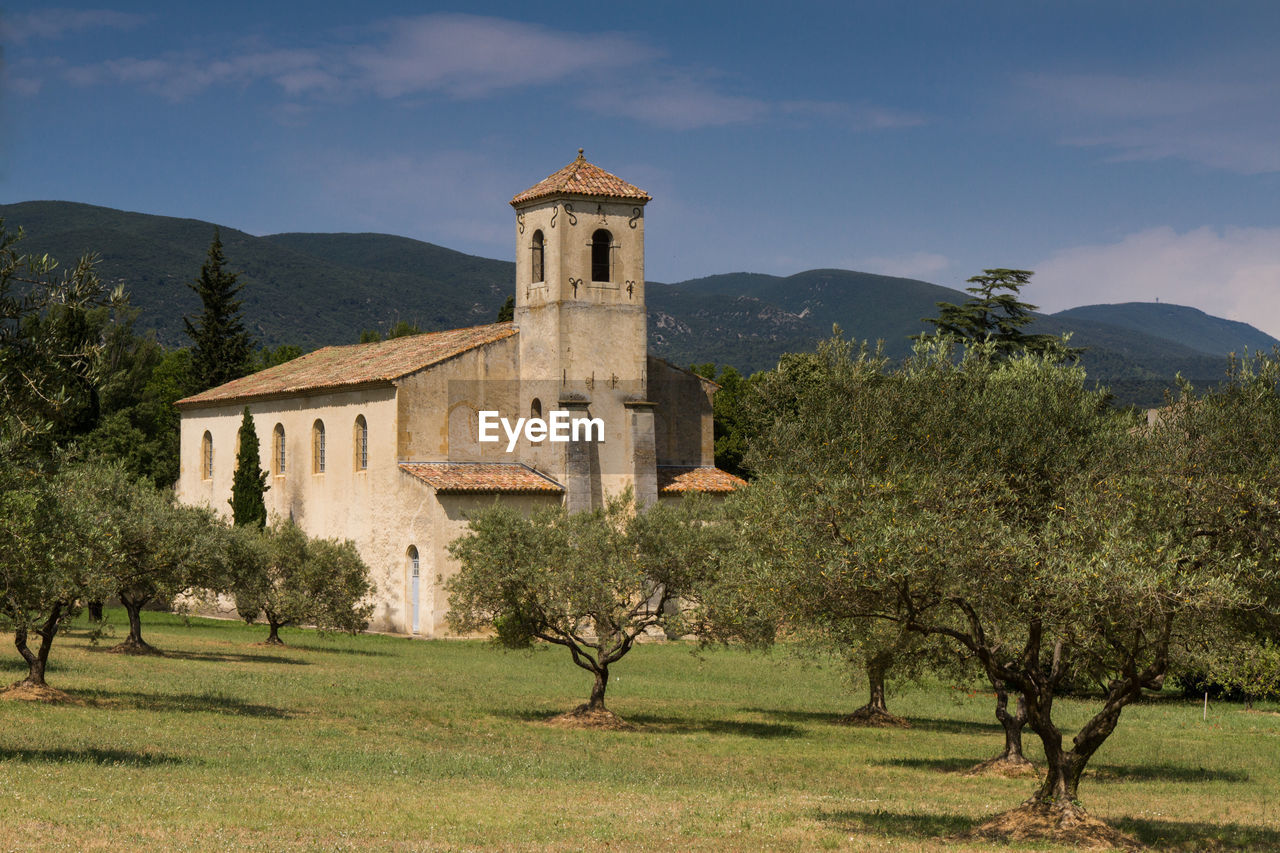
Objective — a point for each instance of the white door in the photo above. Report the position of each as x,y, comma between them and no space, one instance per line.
413,594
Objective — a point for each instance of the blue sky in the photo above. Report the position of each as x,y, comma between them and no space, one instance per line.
1124,151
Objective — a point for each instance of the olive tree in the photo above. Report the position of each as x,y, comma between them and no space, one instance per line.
995,502
593,582
288,578
52,555
155,549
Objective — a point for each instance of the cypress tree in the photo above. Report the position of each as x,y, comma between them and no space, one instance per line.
222,348
250,481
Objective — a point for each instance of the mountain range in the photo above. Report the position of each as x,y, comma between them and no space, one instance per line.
317,289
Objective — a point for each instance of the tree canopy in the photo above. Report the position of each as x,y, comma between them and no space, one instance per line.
593,582
999,504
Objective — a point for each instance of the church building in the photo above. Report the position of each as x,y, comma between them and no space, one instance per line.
392,444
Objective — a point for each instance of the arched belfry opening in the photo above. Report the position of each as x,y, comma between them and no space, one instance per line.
536,262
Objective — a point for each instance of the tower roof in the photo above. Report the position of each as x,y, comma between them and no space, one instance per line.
582,178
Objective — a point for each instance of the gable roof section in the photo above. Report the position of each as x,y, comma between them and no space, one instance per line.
582,178
482,478
333,368
678,479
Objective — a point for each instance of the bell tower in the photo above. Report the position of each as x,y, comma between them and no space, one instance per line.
581,315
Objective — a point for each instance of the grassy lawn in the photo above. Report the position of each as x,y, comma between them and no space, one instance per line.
378,742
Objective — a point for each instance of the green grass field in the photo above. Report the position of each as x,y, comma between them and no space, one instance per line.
373,742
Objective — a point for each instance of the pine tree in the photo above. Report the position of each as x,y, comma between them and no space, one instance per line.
222,348
250,481
997,318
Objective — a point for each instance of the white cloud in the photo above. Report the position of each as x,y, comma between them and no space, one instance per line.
471,56
179,76
1232,273
1227,117
48,24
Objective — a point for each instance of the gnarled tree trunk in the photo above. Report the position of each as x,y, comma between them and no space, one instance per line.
596,702
38,660
1011,761
134,644
876,712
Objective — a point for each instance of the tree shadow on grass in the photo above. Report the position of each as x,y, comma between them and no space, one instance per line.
654,724
333,650
188,702
940,765
232,657
683,725
1158,834
792,716
895,824
1160,772
1197,836
90,755
956,727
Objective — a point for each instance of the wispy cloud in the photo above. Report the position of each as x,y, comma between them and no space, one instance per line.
48,24
470,57
1232,273
179,76
1227,116
462,56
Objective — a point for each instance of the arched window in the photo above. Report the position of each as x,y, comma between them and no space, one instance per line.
277,450
362,444
317,447
535,411
539,273
415,589
206,457
601,247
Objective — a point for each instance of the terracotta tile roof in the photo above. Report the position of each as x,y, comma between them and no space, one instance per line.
357,364
582,178
675,479
482,477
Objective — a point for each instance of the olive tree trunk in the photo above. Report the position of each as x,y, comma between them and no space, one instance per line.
38,660
134,644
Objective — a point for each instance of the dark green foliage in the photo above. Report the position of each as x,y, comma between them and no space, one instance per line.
248,508
49,348
138,426
992,316
222,349
400,329
268,357
507,312
735,410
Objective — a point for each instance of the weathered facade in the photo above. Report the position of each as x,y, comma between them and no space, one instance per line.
380,443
